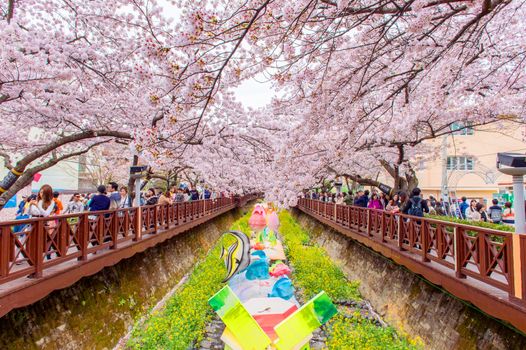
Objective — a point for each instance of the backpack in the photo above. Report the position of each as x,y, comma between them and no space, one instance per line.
416,208
495,214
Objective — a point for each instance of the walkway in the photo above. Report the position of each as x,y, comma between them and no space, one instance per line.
55,253
482,266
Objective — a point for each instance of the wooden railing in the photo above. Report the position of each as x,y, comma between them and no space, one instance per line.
487,255
29,247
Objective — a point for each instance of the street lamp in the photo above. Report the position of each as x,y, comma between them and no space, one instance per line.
514,164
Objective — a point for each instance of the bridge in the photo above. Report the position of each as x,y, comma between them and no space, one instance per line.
55,252
484,267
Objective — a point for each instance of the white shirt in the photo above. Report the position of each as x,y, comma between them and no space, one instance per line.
38,210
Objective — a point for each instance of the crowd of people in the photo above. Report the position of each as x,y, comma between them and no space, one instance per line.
47,202
414,204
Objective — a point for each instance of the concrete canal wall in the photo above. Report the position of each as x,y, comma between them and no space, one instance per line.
408,302
98,310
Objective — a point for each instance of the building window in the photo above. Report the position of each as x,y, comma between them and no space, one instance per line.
460,128
460,163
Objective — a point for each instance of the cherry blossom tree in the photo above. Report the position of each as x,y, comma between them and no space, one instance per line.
362,85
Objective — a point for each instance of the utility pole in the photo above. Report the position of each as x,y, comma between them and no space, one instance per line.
443,187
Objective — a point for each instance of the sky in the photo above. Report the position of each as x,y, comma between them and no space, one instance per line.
254,94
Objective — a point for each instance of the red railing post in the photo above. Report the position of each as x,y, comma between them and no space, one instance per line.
63,234
483,258
38,248
459,251
138,224
83,236
114,229
155,217
169,215
100,228
440,239
126,229
5,248
424,237
401,234
369,222
382,227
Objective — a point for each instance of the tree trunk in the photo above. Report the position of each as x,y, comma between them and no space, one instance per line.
17,179
131,181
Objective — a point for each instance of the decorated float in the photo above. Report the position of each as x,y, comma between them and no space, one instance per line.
258,305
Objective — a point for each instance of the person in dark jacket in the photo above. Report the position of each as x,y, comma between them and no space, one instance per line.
194,195
463,207
416,202
99,201
363,199
495,212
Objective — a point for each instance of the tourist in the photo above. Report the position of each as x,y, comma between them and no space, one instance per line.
468,214
179,195
339,199
455,209
125,198
440,207
194,194
432,210
43,205
99,201
206,193
481,208
475,215
114,195
58,203
495,212
348,199
463,206
396,200
375,202
416,206
186,195
75,205
391,206
173,193
508,215
165,199
384,199
151,197
402,203
362,199
22,205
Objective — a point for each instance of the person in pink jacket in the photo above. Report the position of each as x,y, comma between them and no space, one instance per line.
375,203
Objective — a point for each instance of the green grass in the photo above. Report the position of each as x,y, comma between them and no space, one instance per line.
314,271
182,322
490,225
